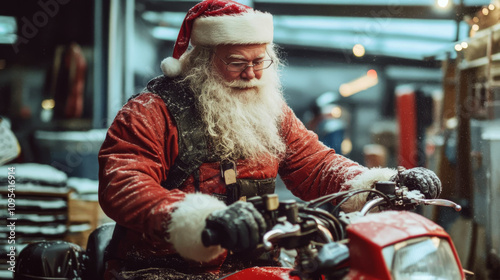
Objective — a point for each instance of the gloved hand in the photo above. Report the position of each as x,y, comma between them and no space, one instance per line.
241,224
422,179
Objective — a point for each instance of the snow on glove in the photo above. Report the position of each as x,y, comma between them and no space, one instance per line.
422,179
241,224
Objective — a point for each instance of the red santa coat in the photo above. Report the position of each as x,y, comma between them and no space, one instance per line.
141,146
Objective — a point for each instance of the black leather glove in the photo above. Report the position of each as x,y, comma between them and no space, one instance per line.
241,224
422,179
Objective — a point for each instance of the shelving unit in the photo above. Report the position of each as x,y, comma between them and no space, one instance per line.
478,145
51,214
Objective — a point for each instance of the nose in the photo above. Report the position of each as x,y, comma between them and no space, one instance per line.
248,73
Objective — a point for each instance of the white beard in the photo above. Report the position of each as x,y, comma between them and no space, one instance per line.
243,118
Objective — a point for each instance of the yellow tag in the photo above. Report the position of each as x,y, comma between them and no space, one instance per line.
229,177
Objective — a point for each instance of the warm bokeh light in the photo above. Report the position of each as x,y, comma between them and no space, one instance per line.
346,146
464,45
475,27
458,47
491,7
362,83
48,104
485,11
371,73
336,112
358,50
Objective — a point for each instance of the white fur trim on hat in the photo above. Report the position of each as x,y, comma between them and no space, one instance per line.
187,223
365,180
246,28
171,67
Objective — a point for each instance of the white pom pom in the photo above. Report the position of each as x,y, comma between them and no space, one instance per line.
171,67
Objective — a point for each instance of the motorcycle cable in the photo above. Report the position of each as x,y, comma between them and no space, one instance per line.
332,221
383,195
327,198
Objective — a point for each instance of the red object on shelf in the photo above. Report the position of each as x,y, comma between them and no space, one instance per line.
407,123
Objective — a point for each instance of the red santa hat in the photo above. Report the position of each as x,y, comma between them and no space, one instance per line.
217,22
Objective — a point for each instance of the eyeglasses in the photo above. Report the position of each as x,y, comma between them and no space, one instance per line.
241,66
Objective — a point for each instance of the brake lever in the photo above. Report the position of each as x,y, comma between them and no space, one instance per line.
285,229
419,198
439,202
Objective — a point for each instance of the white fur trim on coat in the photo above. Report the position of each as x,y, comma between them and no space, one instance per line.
245,28
365,180
171,67
187,223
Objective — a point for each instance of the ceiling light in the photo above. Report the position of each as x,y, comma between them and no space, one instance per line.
8,29
443,4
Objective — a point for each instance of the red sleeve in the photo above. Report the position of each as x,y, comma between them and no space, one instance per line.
135,157
311,169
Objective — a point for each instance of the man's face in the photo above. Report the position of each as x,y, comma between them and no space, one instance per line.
239,54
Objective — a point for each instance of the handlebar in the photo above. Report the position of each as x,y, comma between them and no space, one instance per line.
292,222
280,231
211,237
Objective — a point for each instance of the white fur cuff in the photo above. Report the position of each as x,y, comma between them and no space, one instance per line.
187,223
365,180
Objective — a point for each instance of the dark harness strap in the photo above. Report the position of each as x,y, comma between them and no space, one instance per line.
193,150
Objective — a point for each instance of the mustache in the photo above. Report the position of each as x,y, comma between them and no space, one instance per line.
241,84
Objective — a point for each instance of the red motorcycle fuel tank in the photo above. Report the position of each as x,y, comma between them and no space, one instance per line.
268,273
370,234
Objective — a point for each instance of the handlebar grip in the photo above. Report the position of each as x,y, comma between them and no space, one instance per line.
210,237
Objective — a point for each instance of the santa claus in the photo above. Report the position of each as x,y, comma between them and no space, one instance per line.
212,130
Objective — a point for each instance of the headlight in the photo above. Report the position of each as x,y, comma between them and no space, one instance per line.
427,258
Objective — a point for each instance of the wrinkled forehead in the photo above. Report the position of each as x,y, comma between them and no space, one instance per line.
250,51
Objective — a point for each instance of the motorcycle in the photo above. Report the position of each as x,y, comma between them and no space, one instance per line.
392,243
383,240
